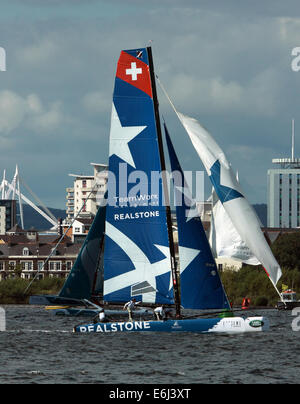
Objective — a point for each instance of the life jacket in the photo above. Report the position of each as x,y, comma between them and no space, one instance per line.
246,303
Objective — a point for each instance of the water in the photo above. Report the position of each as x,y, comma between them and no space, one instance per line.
38,347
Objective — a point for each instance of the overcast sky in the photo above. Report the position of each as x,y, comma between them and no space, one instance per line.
226,63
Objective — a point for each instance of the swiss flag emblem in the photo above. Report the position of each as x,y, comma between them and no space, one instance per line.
135,72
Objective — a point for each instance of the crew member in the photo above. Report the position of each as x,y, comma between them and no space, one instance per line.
100,317
161,313
130,306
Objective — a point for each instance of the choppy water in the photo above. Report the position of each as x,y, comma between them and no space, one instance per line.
38,347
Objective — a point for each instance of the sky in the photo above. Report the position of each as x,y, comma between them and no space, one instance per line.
226,63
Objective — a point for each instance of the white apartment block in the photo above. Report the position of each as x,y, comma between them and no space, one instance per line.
284,194
7,215
2,219
84,197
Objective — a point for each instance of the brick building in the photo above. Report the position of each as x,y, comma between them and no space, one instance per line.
25,252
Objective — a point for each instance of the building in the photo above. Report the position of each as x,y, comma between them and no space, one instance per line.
7,215
83,198
78,229
28,254
284,191
284,194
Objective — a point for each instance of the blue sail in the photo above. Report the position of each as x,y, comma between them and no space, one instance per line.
201,287
137,256
85,278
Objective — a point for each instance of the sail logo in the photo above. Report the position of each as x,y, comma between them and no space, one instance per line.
2,319
2,60
134,71
114,327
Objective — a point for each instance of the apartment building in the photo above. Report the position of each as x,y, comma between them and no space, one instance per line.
84,197
284,194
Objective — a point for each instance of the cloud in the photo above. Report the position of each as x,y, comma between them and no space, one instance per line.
12,111
260,96
226,64
28,112
43,52
96,102
47,120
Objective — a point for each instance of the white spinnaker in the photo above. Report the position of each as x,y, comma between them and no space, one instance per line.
224,239
239,210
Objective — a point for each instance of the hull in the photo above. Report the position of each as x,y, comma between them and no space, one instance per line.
44,300
287,305
208,325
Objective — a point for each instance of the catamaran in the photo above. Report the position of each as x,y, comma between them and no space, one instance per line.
139,249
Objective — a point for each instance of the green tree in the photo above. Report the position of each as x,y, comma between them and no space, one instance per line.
287,250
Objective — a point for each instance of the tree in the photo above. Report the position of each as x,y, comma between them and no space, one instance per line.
287,250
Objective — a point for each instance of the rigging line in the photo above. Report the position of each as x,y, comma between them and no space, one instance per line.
59,241
167,95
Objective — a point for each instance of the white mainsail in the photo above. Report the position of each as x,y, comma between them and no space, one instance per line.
224,239
230,194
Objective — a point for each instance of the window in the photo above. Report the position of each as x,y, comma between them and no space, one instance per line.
69,265
27,265
40,265
25,251
2,266
12,265
55,266
83,183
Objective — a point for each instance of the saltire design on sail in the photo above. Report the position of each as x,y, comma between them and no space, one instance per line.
201,286
230,194
86,276
224,239
137,259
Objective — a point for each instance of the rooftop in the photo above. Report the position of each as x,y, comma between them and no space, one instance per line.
287,162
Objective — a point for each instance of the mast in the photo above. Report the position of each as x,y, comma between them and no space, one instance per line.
97,266
165,187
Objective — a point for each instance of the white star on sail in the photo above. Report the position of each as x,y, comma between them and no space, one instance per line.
120,136
193,211
144,270
187,255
